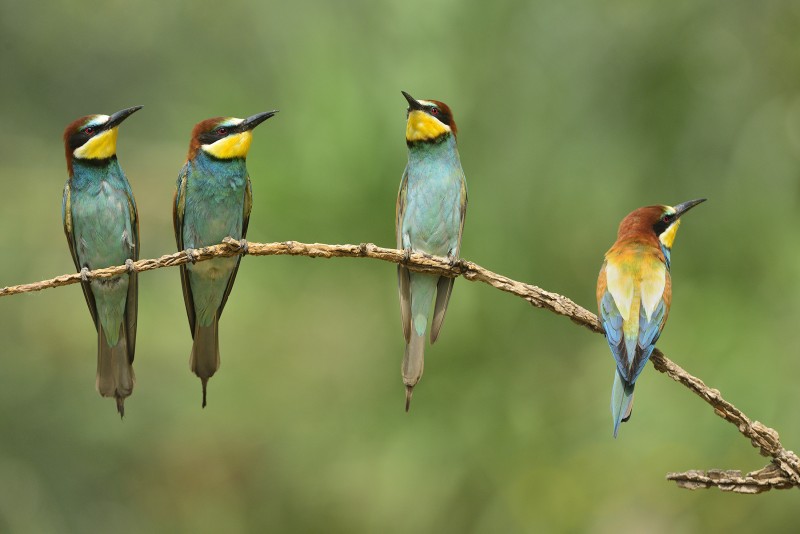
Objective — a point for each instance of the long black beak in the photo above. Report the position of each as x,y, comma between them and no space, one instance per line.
413,103
120,116
683,207
254,120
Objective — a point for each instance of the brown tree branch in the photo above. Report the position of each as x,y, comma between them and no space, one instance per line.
783,472
759,481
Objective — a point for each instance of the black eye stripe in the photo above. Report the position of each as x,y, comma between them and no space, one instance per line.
213,136
78,139
663,223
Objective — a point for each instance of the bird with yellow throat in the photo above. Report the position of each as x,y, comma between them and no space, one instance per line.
634,295
212,201
429,219
102,229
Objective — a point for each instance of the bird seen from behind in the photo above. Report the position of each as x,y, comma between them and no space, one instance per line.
634,294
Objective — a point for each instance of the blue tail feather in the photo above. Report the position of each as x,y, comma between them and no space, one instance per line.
621,401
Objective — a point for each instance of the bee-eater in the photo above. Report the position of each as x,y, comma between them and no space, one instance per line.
212,202
430,213
102,228
634,293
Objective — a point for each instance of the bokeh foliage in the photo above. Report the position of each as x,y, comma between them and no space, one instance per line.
571,114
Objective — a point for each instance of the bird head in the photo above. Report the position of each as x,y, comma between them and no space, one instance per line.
94,137
225,137
659,221
428,120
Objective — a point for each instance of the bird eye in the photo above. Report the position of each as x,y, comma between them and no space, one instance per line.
434,111
88,130
222,131
666,218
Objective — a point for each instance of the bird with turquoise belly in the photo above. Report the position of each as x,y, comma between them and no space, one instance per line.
102,228
212,201
430,211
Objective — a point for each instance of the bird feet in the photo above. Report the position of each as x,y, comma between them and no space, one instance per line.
129,266
243,246
190,255
85,275
406,256
457,264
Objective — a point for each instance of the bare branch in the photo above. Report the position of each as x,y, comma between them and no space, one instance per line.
764,479
783,472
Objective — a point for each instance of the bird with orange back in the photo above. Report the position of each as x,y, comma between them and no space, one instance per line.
634,293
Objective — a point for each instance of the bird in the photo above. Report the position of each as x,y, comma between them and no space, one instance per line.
634,294
212,201
102,228
429,218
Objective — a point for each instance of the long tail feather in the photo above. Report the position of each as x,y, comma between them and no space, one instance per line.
205,353
115,376
621,401
413,363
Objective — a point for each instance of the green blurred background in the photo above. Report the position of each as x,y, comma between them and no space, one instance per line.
570,113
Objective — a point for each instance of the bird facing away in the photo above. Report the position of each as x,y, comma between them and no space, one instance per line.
102,229
212,202
430,213
634,293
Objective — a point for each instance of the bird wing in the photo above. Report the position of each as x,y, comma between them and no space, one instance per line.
445,285
248,205
66,215
403,279
132,302
634,304
611,319
178,209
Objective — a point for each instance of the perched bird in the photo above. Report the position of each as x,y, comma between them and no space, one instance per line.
430,213
102,229
634,292
212,202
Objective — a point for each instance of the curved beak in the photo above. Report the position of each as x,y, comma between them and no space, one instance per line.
683,207
117,118
254,120
413,103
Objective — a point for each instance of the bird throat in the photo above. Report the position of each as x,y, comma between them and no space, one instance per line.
667,237
423,127
233,146
101,146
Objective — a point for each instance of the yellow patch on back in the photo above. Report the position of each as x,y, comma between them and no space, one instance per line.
651,287
635,281
668,236
101,146
423,127
620,285
233,146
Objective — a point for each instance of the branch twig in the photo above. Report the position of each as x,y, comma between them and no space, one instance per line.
783,472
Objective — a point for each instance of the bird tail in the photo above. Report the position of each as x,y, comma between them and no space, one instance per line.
621,401
413,363
205,353
115,376
422,288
